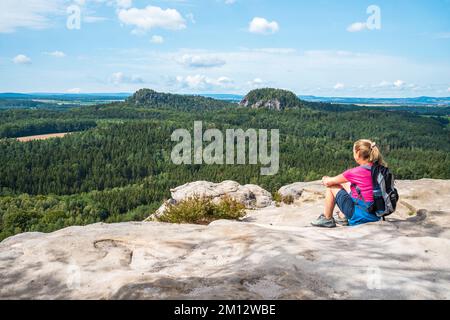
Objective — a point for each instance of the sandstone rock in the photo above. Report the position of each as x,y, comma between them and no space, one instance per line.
294,190
252,196
303,191
273,104
273,253
262,197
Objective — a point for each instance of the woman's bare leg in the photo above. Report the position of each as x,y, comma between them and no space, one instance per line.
346,187
330,200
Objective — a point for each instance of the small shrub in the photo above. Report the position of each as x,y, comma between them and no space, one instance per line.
203,211
289,199
278,198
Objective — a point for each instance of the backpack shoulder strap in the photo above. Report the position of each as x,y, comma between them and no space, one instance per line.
358,190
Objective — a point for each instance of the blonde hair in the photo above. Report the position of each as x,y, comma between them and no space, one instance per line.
368,150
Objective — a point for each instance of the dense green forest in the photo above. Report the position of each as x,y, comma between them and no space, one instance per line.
118,167
36,127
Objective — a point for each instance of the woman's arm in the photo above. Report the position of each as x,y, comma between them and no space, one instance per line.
332,181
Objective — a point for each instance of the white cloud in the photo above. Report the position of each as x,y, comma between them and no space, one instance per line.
118,4
448,90
262,26
383,84
93,19
118,78
138,32
357,26
30,14
124,4
201,61
299,71
338,86
21,59
41,14
56,54
191,17
74,90
202,82
256,83
157,39
152,17
399,83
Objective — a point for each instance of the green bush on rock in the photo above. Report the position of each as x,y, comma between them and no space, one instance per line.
198,210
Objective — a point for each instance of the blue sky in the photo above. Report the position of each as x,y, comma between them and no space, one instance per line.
399,48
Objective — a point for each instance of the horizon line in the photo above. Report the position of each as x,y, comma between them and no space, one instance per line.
203,94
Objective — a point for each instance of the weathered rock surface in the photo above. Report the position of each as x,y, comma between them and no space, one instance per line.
273,104
294,190
273,253
250,195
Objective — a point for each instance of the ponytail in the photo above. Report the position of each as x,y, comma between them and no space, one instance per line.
368,150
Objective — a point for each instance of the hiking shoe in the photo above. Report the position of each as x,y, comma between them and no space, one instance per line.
324,222
341,221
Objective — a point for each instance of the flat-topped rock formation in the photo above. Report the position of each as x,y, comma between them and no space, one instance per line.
270,98
273,253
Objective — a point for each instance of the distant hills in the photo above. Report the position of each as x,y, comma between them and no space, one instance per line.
418,101
154,99
66,96
235,98
266,98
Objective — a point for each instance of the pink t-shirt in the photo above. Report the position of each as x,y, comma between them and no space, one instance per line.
363,179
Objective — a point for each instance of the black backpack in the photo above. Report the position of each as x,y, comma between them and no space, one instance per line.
385,195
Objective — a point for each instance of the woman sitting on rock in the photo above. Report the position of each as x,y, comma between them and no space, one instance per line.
352,190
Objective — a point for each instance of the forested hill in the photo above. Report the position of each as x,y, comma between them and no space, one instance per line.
270,98
153,99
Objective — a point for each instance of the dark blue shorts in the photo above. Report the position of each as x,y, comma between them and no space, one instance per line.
345,203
